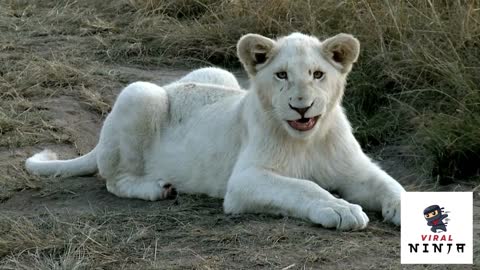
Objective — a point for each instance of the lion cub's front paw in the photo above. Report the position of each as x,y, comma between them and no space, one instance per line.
338,214
391,211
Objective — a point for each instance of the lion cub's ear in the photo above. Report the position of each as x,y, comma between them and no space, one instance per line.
342,50
254,50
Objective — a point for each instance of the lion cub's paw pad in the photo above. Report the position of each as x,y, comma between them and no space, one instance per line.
169,192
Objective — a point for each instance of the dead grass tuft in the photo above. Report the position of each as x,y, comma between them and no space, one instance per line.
46,243
22,235
95,101
23,124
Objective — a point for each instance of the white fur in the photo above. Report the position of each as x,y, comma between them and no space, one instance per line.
46,163
211,75
205,137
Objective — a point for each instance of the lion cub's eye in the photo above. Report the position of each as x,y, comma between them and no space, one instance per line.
282,75
318,75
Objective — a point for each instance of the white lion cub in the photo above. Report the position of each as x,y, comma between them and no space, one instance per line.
276,148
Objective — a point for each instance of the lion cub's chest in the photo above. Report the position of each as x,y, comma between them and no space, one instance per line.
309,163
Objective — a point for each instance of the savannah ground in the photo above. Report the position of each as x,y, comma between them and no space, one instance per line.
413,100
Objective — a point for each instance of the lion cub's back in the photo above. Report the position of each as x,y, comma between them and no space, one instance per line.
186,98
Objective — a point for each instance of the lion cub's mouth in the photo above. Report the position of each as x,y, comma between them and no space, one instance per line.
304,124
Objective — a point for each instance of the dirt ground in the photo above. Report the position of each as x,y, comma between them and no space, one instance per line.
75,223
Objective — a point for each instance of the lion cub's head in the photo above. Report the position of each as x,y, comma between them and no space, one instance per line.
298,78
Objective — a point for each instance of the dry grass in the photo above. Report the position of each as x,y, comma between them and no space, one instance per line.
177,238
95,101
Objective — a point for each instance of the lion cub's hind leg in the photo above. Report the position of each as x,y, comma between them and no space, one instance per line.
137,117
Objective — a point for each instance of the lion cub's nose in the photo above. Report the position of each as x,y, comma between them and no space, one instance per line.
301,111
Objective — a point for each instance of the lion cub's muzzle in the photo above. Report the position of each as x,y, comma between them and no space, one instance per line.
304,123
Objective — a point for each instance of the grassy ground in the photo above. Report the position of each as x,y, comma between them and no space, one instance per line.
414,100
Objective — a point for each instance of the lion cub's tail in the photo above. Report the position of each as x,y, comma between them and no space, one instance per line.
45,163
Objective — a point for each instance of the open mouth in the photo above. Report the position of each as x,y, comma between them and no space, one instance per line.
303,124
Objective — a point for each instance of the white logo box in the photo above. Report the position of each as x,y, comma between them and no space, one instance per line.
442,247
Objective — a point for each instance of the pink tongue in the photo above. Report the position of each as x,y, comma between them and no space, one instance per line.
301,126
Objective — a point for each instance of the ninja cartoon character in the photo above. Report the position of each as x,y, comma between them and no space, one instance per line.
434,216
